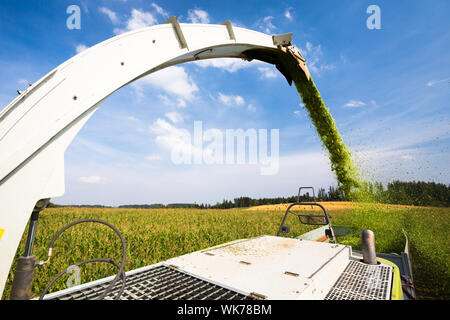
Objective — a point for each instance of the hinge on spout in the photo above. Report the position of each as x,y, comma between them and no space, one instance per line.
293,51
282,40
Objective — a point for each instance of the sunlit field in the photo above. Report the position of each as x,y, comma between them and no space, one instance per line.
154,235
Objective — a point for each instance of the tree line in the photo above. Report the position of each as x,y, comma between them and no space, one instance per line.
416,193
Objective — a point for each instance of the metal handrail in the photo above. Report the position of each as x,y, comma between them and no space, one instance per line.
300,189
327,216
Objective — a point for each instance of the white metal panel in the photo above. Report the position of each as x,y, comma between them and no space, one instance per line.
315,271
276,267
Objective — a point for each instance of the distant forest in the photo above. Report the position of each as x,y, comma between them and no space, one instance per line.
407,193
397,192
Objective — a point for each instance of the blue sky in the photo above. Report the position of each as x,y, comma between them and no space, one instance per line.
387,89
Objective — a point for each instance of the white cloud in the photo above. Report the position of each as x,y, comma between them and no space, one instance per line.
161,126
160,10
178,102
181,103
288,14
165,99
80,48
175,117
267,72
111,14
231,100
93,180
198,16
23,82
354,104
433,83
265,24
298,113
251,108
153,157
139,19
173,80
233,64
228,64
313,54
170,137
326,67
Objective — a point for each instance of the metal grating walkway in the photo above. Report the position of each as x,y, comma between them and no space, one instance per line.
361,281
159,283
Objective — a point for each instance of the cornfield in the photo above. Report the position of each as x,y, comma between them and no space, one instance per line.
154,235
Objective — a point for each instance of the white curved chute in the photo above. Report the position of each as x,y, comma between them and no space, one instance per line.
38,126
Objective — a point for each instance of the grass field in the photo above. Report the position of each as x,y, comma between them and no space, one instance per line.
153,235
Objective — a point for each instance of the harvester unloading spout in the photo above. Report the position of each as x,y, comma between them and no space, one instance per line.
37,127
